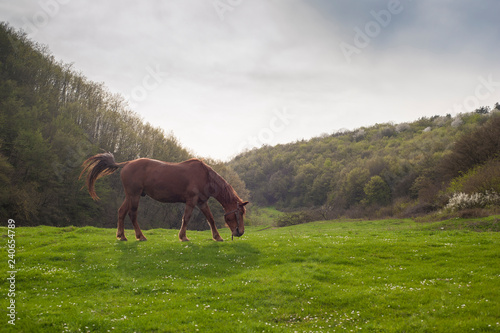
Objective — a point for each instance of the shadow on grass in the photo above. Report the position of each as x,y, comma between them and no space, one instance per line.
185,260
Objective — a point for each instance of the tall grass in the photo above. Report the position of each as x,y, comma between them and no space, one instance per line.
372,276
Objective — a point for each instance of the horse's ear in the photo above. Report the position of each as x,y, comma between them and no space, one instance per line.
245,203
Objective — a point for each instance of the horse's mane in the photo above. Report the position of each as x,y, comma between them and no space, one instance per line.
220,188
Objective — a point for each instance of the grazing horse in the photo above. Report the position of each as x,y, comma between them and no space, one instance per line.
192,182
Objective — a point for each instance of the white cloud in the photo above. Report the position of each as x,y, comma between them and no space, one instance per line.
222,80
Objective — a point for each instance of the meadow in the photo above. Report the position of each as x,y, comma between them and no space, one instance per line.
330,276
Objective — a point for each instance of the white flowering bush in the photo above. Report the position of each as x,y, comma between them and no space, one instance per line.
475,200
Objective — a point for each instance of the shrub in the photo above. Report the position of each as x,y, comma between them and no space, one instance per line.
377,191
291,219
461,200
402,127
473,149
299,217
418,209
478,179
457,122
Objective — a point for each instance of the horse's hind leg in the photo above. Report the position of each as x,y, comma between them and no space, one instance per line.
122,212
134,206
185,219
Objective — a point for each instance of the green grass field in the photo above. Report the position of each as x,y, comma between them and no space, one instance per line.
351,276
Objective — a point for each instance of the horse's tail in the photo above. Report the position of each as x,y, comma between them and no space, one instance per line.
98,166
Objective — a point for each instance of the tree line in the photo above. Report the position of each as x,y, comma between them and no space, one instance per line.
383,170
51,119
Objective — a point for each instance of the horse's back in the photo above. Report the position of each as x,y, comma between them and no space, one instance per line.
164,181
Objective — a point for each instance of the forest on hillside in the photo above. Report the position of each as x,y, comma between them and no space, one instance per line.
51,119
387,169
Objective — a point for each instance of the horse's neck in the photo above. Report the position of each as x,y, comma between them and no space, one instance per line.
224,193
227,200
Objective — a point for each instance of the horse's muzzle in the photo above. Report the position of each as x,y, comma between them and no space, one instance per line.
237,233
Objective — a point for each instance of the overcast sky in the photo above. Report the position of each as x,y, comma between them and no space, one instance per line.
229,75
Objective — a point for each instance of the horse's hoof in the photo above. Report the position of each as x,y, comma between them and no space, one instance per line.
218,239
184,239
143,239
122,238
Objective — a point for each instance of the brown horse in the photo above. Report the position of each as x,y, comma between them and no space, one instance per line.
192,182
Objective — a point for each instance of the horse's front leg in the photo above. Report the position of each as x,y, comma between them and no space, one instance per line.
211,221
185,219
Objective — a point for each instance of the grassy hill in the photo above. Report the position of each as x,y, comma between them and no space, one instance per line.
330,276
383,170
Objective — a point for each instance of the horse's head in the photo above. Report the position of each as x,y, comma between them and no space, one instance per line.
234,219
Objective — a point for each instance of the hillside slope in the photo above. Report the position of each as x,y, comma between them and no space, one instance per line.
51,119
385,169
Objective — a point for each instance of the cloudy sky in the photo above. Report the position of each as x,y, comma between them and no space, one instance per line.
228,75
